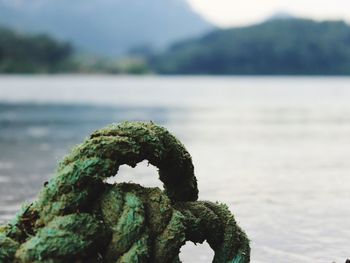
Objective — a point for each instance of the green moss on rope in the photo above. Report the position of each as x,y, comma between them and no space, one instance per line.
66,239
8,248
78,217
81,174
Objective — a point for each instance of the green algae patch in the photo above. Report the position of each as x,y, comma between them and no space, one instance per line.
78,217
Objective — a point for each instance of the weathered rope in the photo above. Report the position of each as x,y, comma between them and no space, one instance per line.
80,218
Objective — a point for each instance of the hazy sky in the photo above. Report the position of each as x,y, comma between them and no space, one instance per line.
242,12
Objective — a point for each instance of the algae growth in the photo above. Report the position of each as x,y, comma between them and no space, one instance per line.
78,217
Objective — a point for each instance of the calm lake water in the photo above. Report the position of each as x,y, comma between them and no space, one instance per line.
276,150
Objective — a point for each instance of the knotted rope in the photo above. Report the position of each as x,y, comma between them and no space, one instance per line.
78,217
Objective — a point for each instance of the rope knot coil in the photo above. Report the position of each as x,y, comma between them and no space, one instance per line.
78,217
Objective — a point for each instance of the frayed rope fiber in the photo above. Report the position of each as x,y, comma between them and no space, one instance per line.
78,217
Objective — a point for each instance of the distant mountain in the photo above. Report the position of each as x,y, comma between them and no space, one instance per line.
281,15
282,46
108,27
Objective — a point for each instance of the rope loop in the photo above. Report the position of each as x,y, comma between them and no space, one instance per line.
78,217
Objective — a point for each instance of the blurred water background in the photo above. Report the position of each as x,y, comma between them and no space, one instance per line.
275,149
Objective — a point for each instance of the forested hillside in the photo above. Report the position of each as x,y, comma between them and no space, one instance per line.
286,46
32,53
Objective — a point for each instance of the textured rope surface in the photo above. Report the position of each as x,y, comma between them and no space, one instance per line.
80,218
